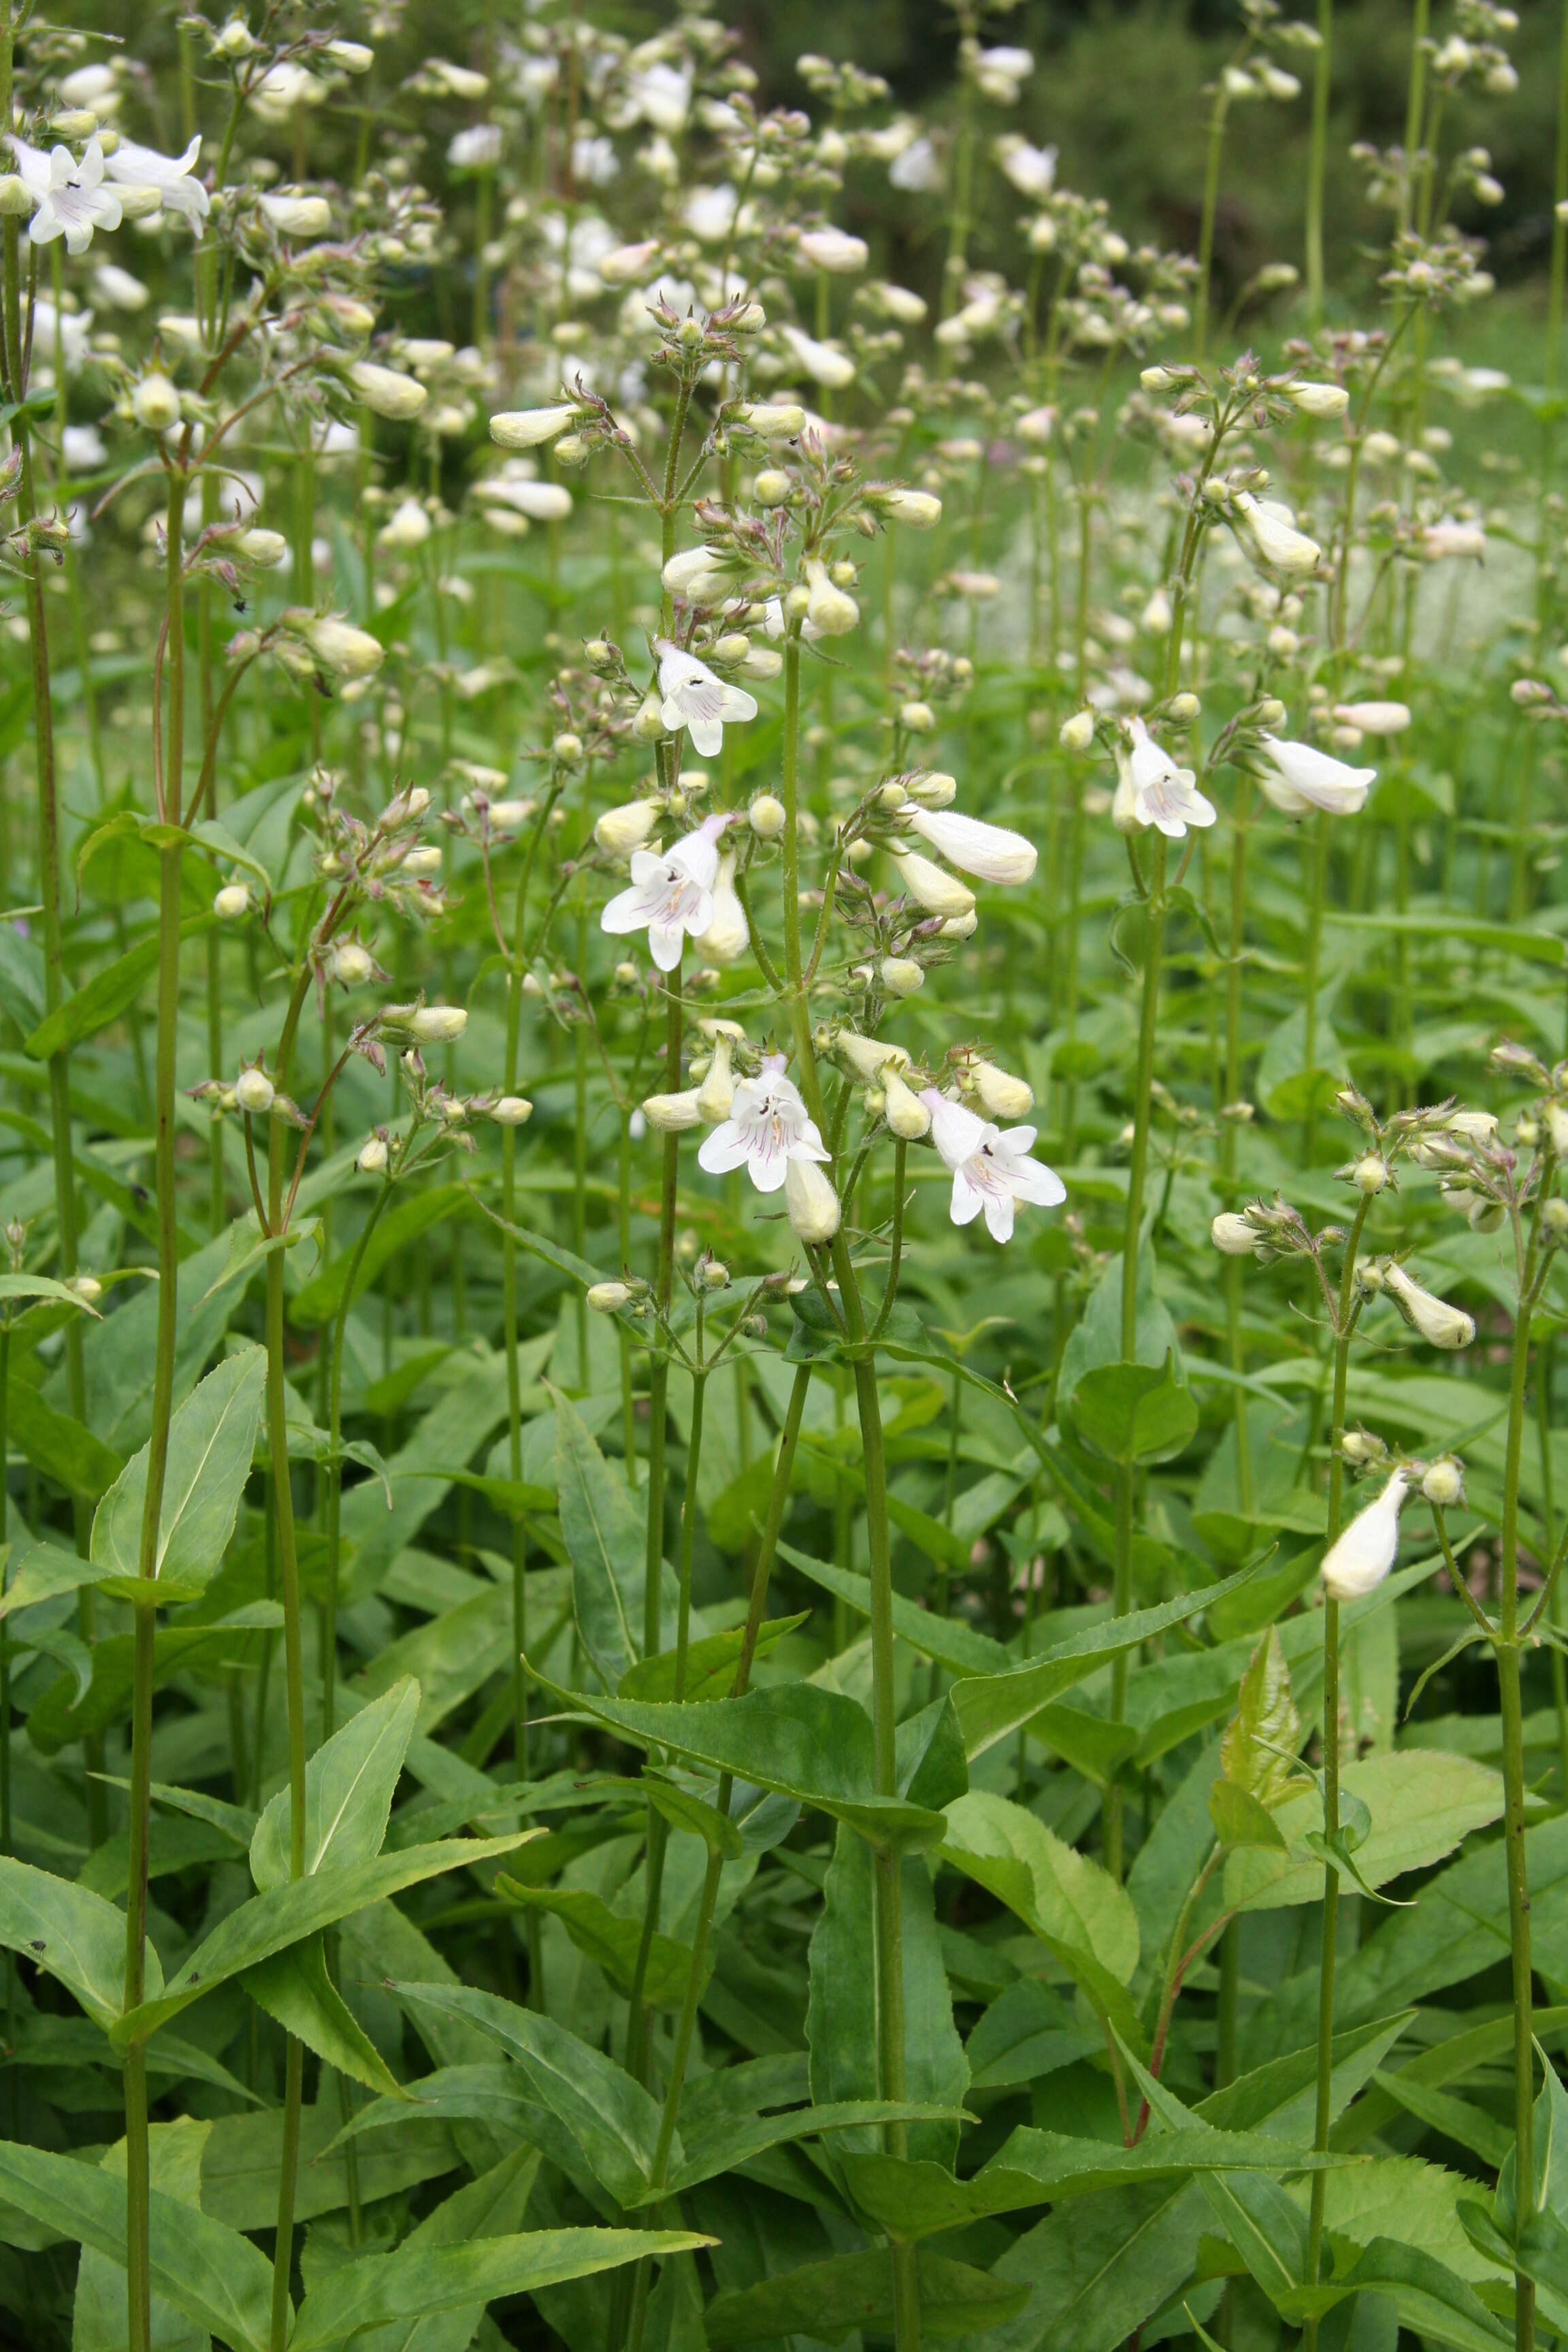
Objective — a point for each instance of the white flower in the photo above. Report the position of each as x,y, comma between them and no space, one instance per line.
920,509
710,213
916,168
1439,1324
69,197
511,1110
605,1297
479,147
528,428
297,215
729,934
830,612
1154,791
702,575
691,697
253,1091
1375,717
118,289
991,852
407,527
902,1108
1032,170
835,250
541,502
626,264
940,892
387,392
1275,536
372,1157
831,369
1300,776
991,1170
662,95
1318,399
768,1127
439,1025
174,176
1361,1558
868,1056
1232,1234
1000,1094
338,644
716,1095
1442,538
812,1203
671,894
621,830
670,1114
232,900
595,162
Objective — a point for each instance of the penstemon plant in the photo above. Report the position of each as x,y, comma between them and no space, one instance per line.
712,803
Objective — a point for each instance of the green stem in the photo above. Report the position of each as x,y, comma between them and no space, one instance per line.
1316,161
1212,155
1558,225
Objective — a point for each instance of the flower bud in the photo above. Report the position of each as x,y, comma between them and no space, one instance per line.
387,392
767,817
155,402
1001,1095
1370,1173
621,830
232,900
351,963
811,1201
530,428
1078,732
1232,1234
15,198
605,1297
253,1091
372,1157
511,1110
438,1024
649,724
673,1114
1318,399
900,975
84,1286
1554,1218
828,609
337,645
902,1108
1444,1484
770,487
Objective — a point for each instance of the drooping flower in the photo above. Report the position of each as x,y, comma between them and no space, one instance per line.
729,934
1276,537
1154,791
1375,717
991,852
833,370
834,250
1440,1324
932,887
992,1169
693,698
812,1203
1031,170
1300,776
671,894
768,1127
902,1108
71,198
174,176
1359,1559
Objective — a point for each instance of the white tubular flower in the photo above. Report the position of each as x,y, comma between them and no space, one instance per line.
626,264
701,574
174,176
407,527
1158,792
834,250
372,1157
1480,1127
1361,1558
540,501
69,198
919,510
716,1095
999,1093
476,148
1375,717
869,1056
991,853
1439,1324
671,894
439,1025
621,830
1031,170
937,890
253,1091
768,1127
605,1297
902,975
1231,1233
1300,776
812,1203
672,1114
338,645
992,1171
1318,399
511,1110
902,1108
297,215
772,420
830,611
1275,538
729,934
1557,1128
833,370
387,392
530,428
693,698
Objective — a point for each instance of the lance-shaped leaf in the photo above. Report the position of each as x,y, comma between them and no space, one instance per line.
211,1441
812,1745
207,2270
349,1786
379,2290
286,1915
738,2143
71,1933
295,1988
830,2300
609,1940
606,1537
1430,2301
991,1706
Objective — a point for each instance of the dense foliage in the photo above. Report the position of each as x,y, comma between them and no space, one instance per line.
782,1067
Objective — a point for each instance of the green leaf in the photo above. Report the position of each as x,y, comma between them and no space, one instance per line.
609,1940
710,1661
1131,1413
286,1915
295,1988
378,2289
318,1300
990,1707
207,2270
613,2121
1265,1730
57,1444
42,1571
1239,1820
953,1645
606,1536
829,2300
72,1934
39,1286
349,1786
105,996
1431,2302
1420,1802
212,1439
726,2148
801,1742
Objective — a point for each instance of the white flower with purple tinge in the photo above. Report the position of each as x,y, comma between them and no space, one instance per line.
1161,793
71,198
174,176
691,697
768,1127
671,894
992,1169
